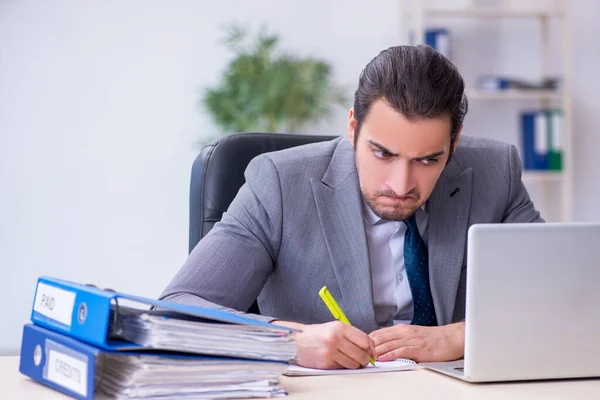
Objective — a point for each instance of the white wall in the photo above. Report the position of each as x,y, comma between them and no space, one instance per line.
586,106
99,125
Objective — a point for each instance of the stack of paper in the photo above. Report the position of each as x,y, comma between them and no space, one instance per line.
171,377
85,340
163,330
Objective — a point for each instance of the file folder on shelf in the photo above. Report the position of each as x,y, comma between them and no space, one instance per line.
535,140
105,319
81,370
439,39
542,137
555,139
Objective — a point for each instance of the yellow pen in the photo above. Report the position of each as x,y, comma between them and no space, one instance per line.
336,311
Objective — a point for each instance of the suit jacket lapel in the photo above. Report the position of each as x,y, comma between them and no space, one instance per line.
448,223
338,201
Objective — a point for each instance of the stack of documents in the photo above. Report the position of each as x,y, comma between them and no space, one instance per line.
165,330
85,341
82,370
165,377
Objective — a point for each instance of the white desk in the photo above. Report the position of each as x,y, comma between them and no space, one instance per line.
408,385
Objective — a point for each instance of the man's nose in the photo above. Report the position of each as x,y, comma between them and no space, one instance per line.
401,179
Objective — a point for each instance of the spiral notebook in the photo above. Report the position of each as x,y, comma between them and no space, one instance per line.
400,364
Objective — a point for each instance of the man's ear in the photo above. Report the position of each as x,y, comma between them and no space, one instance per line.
351,126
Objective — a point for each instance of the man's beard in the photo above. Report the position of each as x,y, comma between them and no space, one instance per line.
396,213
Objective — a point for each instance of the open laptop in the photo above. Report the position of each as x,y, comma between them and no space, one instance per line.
532,303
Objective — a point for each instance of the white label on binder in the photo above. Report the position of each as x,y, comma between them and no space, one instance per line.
540,132
556,131
67,372
54,303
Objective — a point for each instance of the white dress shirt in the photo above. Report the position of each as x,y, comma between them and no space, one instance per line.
391,292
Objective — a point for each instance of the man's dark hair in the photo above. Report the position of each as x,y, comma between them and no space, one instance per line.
416,81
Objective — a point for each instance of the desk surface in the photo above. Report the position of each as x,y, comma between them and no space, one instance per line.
413,385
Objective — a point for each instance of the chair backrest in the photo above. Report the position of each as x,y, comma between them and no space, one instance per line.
218,174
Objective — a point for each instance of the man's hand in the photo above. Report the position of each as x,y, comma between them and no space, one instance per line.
420,343
332,345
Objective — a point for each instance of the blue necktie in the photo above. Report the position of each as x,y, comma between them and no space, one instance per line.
417,270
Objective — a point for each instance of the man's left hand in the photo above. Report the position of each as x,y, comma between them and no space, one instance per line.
420,343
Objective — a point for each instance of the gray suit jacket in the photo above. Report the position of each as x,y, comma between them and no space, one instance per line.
296,225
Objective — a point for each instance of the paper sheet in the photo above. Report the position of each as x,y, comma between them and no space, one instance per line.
399,364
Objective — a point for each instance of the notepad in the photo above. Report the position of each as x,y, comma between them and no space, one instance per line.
400,364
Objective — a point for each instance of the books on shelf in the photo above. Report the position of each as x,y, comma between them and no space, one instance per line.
542,137
498,83
86,340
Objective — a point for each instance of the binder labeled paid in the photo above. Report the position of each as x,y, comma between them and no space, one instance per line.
81,370
106,319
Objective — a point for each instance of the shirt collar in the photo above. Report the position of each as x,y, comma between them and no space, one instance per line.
373,218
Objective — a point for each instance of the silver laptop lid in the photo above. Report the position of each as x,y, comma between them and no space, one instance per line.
533,301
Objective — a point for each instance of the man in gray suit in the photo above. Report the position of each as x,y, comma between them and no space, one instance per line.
380,217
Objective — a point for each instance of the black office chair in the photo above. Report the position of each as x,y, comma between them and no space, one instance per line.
218,174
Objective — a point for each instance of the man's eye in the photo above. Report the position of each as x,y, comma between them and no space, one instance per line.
381,154
430,161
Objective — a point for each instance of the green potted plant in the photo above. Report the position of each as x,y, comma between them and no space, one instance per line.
265,90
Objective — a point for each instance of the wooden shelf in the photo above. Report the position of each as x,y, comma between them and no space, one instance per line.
514,94
490,12
553,18
542,176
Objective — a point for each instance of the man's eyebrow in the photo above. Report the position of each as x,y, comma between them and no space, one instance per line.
382,148
432,155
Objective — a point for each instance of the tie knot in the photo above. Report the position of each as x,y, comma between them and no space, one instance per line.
411,223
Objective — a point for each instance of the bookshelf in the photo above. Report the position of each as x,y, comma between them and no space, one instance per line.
491,12
542,176
552,186
513,94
